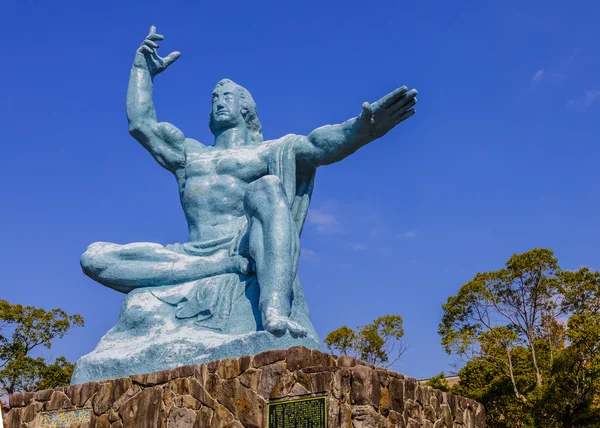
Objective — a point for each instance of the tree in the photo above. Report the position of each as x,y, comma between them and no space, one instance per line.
342,340
439,382
488,384
575,392
23,330
497,311
530,336
379,343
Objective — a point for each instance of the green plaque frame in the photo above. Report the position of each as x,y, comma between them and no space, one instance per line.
308,412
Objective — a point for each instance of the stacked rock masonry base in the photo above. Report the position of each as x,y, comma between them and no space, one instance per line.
236,392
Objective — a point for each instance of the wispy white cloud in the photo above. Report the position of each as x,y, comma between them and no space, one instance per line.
543,75
357,246
323,221
543,78
538,76
584,101
407,234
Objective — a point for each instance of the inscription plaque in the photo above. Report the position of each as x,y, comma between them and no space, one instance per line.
60,419
302,413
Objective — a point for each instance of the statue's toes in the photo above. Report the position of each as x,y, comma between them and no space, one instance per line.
279,325
296,330
276,327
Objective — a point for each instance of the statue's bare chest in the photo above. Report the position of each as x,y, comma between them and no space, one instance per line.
244,164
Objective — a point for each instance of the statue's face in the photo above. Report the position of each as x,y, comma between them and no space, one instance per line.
226,109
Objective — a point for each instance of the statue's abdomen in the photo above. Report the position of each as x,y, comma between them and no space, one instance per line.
213,205
215,186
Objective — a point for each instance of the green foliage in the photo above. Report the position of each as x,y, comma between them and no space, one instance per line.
56,374
500,310
439,382
581,291
488,384
379,343
341,340
24,329
530,335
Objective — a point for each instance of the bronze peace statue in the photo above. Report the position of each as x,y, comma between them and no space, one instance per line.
232,289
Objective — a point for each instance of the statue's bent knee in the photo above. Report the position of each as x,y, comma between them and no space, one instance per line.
264,195
94,259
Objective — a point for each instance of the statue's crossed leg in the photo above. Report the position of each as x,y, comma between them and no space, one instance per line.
145,264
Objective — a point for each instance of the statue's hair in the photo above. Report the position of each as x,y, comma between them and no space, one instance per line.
250,115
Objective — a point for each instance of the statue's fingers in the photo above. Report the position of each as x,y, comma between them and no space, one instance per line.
398,110
404,116
171,58
147,49
151,44
152,34
403,100
393,96
155,37
403,104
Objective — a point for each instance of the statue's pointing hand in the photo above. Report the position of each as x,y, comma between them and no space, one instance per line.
148,58
378,118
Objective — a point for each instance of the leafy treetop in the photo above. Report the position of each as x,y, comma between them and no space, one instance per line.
24,329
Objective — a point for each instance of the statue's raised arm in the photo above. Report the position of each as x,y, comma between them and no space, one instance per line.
331,143
164,141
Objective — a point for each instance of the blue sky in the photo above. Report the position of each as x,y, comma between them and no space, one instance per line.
501,157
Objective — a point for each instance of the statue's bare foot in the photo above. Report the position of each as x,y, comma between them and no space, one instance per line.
278,324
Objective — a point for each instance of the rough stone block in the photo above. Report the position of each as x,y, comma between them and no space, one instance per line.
346,361
268,357
298,357
21,400
365,386
59,400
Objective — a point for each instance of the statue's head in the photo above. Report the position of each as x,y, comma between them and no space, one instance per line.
233,105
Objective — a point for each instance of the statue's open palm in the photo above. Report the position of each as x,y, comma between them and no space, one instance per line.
147,56
381,116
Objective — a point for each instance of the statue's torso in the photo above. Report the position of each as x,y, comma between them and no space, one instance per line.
215,182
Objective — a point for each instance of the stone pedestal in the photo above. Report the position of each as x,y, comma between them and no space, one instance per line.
236,393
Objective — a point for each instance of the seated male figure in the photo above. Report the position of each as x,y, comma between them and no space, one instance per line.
243,205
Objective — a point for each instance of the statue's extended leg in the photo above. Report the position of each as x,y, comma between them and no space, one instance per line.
143,264
274,246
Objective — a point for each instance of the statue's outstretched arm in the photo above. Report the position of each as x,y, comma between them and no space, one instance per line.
331,143
164,141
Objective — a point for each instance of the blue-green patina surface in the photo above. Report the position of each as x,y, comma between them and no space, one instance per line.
232,289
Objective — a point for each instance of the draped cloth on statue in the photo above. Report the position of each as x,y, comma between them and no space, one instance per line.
210,299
